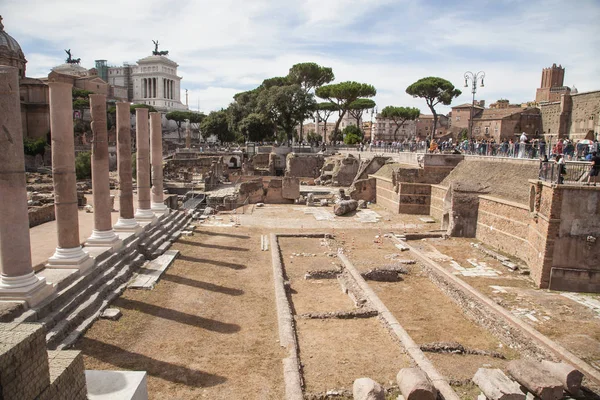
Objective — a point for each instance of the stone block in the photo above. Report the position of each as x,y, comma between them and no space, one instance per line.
116,385
111,313
24,371
367,389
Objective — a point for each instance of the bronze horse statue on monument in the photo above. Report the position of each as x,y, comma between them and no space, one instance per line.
70,59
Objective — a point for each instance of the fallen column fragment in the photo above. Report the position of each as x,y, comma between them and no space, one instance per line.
497,386
415,385
537,380
569,376
344,207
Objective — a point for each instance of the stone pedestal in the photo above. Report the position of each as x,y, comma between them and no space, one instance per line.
126,222
17,280
103,234
69,253
143,214
158,206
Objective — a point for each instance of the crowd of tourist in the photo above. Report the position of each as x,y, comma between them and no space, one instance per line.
517,148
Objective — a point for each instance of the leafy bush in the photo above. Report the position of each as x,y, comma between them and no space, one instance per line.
352,138
83,165
313,137
34,147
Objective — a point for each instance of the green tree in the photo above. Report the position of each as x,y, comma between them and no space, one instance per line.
358,106
343,94
33,147
352,134
134,107
309,76
313,137
180,116
324,111
256,127
400,115
216,124
435,91
286,106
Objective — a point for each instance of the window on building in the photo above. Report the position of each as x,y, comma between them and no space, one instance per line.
458,118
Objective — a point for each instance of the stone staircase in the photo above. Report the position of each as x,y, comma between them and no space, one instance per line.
80,300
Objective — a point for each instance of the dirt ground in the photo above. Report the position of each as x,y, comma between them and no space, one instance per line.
207,330
568,322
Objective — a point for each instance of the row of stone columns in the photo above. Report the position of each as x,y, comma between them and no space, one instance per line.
17,280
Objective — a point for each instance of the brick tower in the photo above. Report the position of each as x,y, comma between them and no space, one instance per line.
552,85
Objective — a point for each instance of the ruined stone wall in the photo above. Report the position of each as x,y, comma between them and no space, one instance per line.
386,195
252,191
304,166
40,215
550,118
584,114
576,247
504,225
436,203
364,189
414,198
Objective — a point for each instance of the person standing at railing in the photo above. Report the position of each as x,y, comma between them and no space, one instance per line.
522,144
594,169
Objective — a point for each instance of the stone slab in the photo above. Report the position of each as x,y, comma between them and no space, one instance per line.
116,385
152,270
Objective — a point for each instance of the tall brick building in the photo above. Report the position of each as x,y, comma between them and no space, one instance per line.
552,85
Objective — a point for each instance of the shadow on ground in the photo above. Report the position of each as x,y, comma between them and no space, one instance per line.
213,262
178,316
123,359
202,285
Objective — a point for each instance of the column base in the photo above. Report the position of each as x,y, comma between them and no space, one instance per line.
104,239
73,258
127,225
29,288
145,217
159,209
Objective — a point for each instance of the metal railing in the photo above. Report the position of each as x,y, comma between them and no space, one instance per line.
570,172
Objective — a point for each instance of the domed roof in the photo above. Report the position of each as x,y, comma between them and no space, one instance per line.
71,69
8,44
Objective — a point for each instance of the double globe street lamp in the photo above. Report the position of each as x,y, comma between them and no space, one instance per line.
474,78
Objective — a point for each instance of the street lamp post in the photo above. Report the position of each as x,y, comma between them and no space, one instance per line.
474,78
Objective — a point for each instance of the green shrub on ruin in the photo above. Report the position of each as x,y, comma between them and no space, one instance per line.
83,165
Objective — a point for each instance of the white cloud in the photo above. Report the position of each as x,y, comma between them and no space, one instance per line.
232,45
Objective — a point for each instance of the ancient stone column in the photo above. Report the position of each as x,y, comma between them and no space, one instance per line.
143,214
102,234
188,135
17,280
158,206
126,222
69,253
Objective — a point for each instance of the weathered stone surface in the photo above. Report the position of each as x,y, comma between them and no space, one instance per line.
569,376
344,207
497,386
536,379
367,389
291,188
415,385
324,202
111,313
362,204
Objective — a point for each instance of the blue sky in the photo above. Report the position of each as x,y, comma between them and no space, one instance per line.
227,46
